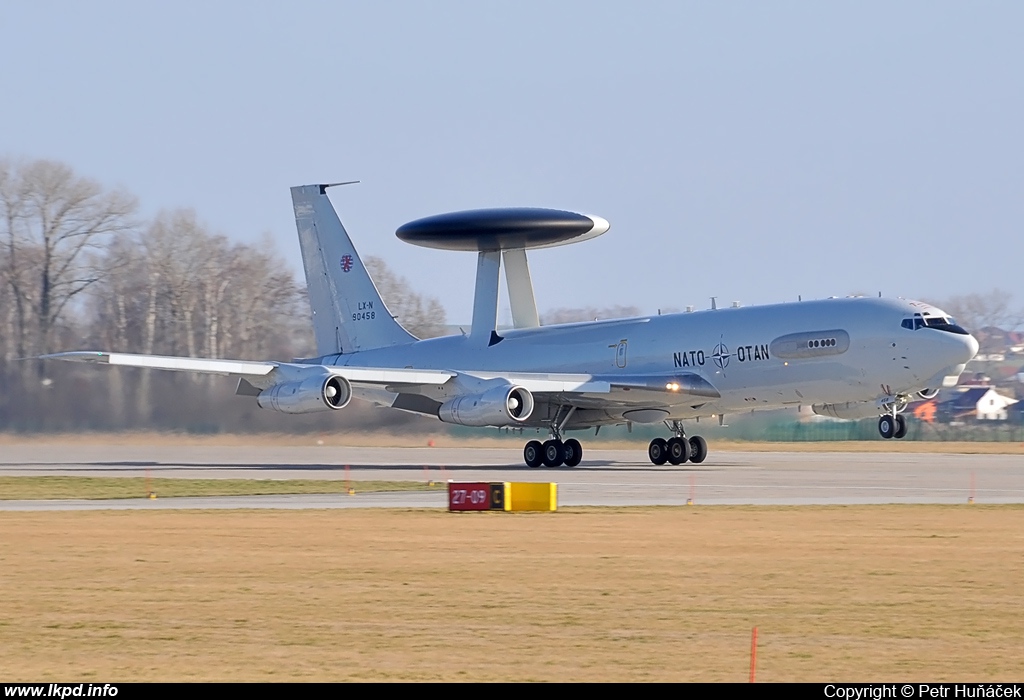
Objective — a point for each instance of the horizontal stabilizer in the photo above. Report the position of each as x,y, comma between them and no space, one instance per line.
185,364
375,376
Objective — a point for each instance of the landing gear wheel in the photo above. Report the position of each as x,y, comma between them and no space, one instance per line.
554,453
886,427
698,449
657,451
533,454
573,452
678,450
901,427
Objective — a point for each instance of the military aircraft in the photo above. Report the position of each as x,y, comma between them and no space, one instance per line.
846,357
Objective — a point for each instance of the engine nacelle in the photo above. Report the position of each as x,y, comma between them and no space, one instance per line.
928,393
324,392
851,410
500,406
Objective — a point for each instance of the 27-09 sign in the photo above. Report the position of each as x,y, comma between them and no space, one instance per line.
476,496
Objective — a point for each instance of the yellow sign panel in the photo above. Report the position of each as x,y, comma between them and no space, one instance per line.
525,495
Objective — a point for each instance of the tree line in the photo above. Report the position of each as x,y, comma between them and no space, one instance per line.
79,268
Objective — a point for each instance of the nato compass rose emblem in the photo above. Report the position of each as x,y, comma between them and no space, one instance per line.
721,355
346,263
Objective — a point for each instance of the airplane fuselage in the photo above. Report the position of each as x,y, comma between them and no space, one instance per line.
813,352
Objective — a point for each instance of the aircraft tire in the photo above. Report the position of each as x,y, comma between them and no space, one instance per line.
678,450
554,453
657,451
901,427
698,449
573,452
886,427
533,454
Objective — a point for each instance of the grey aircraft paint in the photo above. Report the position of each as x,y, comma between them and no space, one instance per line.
849,358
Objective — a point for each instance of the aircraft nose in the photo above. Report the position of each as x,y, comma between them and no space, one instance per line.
970,347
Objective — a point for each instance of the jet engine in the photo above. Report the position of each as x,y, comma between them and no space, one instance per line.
501,406
322,392
851,410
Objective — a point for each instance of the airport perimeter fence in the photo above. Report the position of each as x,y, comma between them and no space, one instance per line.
758,429
868,430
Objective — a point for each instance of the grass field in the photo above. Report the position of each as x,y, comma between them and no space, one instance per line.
924,593
92,487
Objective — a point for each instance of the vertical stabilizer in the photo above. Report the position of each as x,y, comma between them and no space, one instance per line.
348,313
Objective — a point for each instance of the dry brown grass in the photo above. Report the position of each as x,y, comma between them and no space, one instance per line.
385,439
854,593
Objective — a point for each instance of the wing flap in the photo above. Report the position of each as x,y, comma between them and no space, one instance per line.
684,384
391,375
677,383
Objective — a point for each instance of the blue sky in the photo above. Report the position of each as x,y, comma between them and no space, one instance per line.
750,151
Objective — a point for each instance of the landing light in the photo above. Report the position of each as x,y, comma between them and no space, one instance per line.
672,386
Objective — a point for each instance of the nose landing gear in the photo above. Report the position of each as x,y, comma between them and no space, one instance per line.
894,424
892,427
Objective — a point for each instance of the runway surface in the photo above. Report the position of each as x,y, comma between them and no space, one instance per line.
605,478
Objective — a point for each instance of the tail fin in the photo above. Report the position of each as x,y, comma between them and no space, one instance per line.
348,313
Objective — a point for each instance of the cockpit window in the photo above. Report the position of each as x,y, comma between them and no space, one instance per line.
939,323
945,324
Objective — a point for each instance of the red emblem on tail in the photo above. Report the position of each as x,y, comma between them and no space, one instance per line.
346,263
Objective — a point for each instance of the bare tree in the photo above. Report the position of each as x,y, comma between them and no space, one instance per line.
74,273
54,226
976,312
423,317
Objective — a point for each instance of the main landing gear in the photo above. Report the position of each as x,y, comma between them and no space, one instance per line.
677,449
554,452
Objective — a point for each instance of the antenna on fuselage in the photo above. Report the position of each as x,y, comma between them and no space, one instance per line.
714,303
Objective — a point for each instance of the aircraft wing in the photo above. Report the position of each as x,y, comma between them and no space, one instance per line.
683,383
424,390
